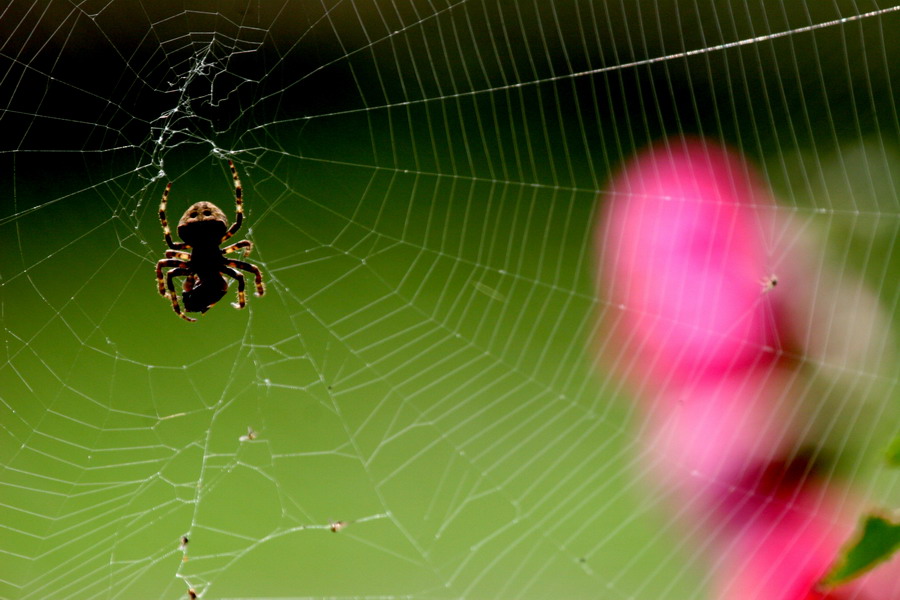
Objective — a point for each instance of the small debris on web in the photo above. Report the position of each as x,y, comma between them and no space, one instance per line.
336,526
768,283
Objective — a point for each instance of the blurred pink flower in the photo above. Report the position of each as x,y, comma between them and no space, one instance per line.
782,553
707,438
682,259
685,244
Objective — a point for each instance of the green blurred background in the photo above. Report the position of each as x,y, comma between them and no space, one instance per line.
421,366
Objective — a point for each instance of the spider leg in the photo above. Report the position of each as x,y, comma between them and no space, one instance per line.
242,298
239,202
180,271
245,266
185,256
166,262
165,223
238,245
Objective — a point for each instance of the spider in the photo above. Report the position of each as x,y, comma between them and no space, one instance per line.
204,227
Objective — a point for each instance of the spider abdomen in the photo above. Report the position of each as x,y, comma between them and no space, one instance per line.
203,293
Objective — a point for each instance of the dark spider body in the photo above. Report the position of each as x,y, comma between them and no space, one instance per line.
202,227
199,259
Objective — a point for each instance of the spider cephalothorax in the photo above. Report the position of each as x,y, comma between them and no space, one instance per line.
203,228
203,224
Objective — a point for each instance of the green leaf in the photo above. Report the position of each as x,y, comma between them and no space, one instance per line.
893,452
878,540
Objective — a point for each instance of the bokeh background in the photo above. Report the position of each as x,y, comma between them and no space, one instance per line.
422,182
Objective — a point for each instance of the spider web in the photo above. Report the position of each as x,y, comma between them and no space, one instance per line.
431,372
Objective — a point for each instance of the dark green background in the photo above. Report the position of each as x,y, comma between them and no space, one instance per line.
422,363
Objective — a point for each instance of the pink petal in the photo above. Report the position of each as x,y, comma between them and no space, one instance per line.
682,258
